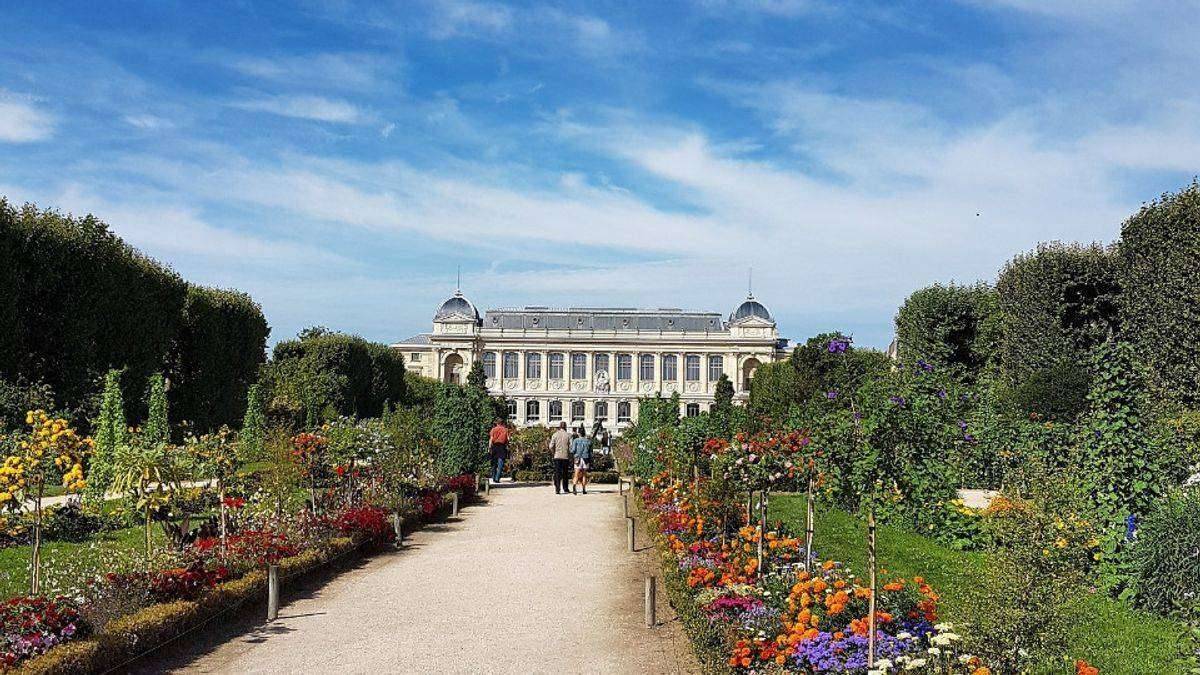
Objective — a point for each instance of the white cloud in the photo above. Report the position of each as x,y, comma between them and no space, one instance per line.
781,8
455,18
21,122
316,108
148,122
350,71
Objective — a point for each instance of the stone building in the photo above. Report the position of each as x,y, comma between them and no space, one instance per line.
591,364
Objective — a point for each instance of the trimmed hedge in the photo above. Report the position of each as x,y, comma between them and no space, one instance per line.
1056,303
948,326
77,301
219,350
1159,257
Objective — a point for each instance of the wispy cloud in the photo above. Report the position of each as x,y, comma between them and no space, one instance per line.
316,108
457,18
343,71
22,122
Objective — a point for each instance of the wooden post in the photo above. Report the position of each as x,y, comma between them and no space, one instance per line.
631,523
398,525
625,501
454,503
620,485
272,592
871,601
651,620
487,486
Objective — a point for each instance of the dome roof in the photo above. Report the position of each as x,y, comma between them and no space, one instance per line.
750,308
457,307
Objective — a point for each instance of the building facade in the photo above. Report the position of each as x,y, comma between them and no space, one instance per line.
588,365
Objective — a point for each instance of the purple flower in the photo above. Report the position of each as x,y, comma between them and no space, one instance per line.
898,400
1130,527
941,394
924,366
831,395
968,438
962,425
838,345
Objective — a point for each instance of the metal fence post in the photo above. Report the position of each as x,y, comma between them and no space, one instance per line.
650,607
272,592
631,524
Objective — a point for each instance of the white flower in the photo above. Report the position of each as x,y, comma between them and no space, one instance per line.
941,627
914,664
876,672
883,663
934,651
965,658
904,636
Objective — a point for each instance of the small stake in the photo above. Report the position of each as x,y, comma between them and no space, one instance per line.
454,503
626,503
398,524
650,608
272,592
631,523
487,486
620,485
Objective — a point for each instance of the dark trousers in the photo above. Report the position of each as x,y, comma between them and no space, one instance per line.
562,475
499,456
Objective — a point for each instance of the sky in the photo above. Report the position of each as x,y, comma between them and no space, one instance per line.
342,160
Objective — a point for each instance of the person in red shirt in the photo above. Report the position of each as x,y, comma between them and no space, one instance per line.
498,445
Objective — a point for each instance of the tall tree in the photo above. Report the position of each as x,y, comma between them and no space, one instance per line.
158,425
254,427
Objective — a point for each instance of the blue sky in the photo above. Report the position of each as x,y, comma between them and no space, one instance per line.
340,160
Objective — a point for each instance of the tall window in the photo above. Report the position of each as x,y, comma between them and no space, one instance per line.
533,411
646,367
556,366
578,366
489,364
623,411
691,367
624,367
577,411
555,411
693,410
512,409
716,366
415,357
533,365
670,368
510,365
601,411
599,363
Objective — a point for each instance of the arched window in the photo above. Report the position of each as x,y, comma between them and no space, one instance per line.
624,367
601,411
578,366
512,409
749,367
716,366
555,411
670,368
556,366
623,411
533,366
489,364
691,367
577,411
693,409
533,411
646,368
510,365
599,363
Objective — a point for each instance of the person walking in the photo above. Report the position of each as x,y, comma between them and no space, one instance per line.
581,450
498,445
560,446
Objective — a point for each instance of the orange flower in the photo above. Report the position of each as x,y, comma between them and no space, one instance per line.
1084,668
981,670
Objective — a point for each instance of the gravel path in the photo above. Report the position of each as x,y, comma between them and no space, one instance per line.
532,582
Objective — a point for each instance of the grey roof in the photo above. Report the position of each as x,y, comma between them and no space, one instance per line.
457,307
418,339
750,308
604,318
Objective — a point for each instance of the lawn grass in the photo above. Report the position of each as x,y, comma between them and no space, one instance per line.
1116,638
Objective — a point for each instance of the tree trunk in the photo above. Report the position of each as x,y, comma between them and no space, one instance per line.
810,524
35,563
762,531
871,601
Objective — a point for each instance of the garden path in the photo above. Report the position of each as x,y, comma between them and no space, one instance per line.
532,582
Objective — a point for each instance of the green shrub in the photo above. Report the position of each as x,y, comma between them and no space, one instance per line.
1159,255
1056,303
947,326
1166,565
1058,392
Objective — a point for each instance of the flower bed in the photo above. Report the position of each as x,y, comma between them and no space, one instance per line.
217,579
746,615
